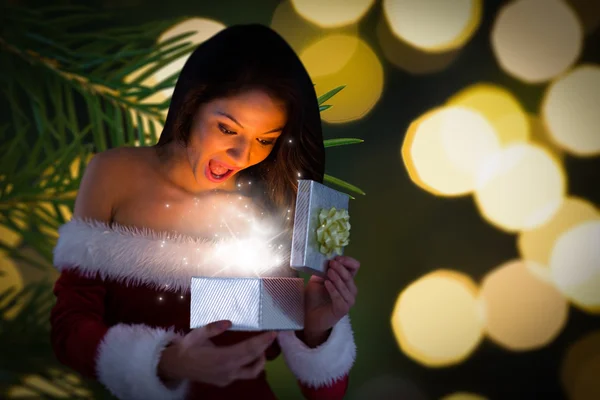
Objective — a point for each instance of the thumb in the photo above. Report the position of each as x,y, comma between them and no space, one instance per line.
211,330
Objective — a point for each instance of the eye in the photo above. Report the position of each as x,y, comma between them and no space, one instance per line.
266,142
226,131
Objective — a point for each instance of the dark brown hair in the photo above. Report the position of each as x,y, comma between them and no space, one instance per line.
247,57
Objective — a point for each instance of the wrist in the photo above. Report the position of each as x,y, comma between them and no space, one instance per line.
167,368
313,339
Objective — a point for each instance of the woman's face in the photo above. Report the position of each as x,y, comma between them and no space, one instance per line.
231,134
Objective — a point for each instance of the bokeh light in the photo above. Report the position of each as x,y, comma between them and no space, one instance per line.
437,320
523,310
340,60
332,13
463,396
520,187
300,33
570,111
204,29
408,58
540,136
575,265
536,245
588,12
536,40
433,25
444,148
580,366
500,107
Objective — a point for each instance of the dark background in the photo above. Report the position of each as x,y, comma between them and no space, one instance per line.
401,232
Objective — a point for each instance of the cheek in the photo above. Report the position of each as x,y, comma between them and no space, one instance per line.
260,154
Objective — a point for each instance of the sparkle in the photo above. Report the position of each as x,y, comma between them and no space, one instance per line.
162,244
160,299
299,174
181,297
167,205
239,185
290,140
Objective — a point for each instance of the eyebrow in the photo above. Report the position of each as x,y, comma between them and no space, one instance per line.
241,126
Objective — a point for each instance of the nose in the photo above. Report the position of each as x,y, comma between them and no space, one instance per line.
240,152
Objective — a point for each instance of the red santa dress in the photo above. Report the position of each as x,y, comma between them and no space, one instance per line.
123,295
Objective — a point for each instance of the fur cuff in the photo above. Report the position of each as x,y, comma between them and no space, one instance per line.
323,365
127,363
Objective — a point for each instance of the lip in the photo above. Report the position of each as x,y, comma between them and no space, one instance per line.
210,177
231,167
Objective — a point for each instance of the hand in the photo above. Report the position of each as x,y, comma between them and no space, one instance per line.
196,358
328,300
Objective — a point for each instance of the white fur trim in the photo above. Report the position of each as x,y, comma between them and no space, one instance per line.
325,364
127,363
141,256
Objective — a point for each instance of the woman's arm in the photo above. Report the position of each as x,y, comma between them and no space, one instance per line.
122,357
322,372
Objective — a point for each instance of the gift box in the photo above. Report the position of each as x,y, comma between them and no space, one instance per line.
321,227
251,304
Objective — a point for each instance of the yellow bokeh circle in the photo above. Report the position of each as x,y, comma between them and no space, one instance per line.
575,265
444,149
332,13
520,187
523,309
500,107
433,25
437,320
535,245
570,111
339,60
536,40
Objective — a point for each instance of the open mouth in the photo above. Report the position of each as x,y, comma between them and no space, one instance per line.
217,172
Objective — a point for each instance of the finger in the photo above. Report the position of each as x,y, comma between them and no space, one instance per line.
336,298
346,276
352,264
252,370
211,330
247,351
342,271
340,285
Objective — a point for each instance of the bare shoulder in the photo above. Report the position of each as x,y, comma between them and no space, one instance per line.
106,180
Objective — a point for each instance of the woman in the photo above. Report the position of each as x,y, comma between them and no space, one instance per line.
243,120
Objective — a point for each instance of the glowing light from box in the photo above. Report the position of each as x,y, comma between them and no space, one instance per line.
536,244
570,111
499,106
444,148
524,311
520,187
437,320
536,40
433,25
575,265
332,13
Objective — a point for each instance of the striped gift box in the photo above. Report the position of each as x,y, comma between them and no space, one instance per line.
251,304
311,198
